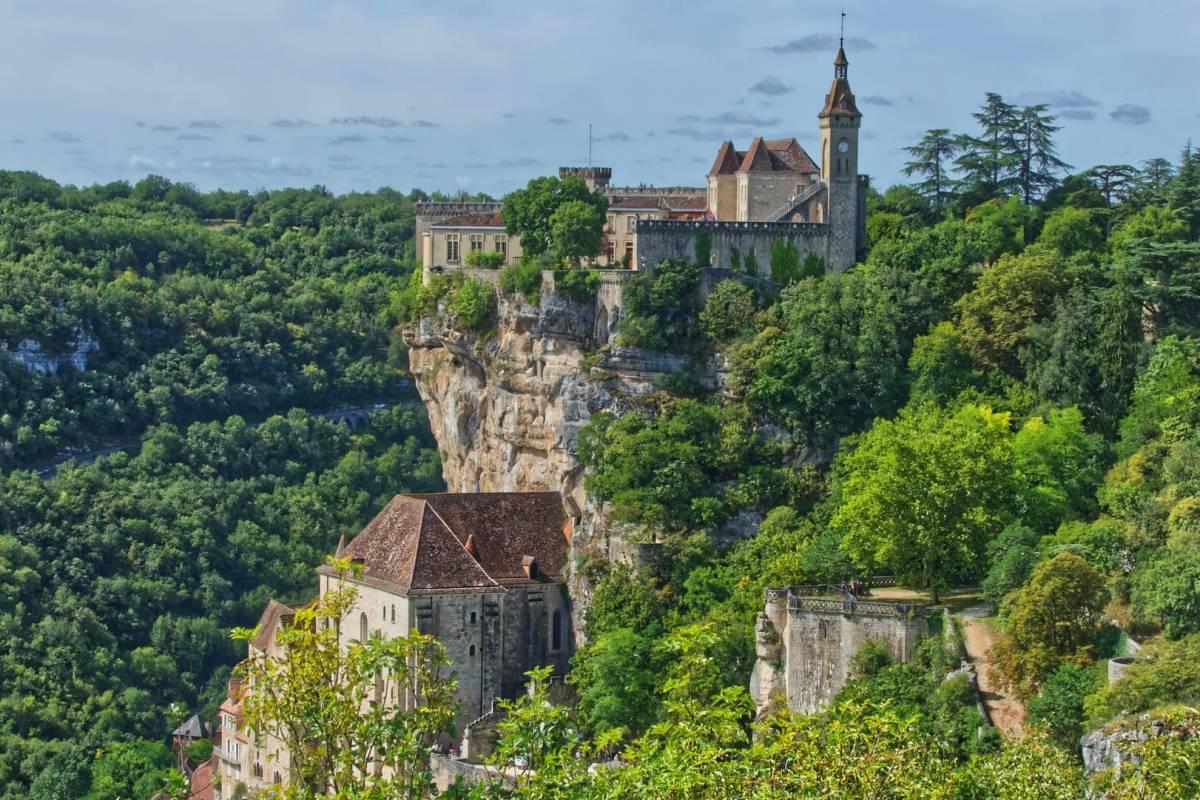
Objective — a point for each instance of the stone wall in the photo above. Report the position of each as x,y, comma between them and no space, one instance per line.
662,239
805,645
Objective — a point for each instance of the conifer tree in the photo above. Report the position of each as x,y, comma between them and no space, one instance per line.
931,158
1036,162
1113,181
988,162
1154,180
1185,190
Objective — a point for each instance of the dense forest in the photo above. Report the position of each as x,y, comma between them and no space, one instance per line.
1004,396
213,314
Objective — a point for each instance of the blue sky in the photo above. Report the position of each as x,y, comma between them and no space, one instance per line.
482,96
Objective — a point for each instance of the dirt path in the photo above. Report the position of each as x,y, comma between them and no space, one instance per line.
1007,713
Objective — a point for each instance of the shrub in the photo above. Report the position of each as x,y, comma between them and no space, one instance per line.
485,260
703,248
728,312
870,659
1058,705
524,277
579,285
200,750
475,305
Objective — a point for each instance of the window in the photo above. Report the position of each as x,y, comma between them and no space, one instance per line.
611,223
471,651
629,254
473,617
476,242
362,627
609,251
631,223
501,245
393,613
556,631
258,770
452,248
277,779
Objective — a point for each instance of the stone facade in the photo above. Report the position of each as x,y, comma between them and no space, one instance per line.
804,644
670,239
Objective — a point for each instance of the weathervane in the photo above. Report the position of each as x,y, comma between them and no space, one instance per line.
842,35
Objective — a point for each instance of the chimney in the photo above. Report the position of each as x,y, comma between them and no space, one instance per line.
530,566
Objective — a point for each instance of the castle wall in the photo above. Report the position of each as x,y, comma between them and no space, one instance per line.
805,645
659,240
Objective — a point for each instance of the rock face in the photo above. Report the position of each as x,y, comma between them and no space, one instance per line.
507,409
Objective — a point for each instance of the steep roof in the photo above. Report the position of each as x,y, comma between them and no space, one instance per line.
669,200
432,543
727,162
274,614
191,728
774,155
840,100
757,158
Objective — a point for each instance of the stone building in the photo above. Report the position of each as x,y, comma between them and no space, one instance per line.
246,763
806,638
771,191
483,573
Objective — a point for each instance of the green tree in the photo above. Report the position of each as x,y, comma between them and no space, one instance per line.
940,367
1012,556
1184,191
988,163
340,709
1166,589
529,213
616,678
129,770
728,311
577,229
1058,705
1052,620
1037,163
1071,230
924,493
1058,467
931,159
474,303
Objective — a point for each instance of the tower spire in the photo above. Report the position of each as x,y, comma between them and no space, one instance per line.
841,63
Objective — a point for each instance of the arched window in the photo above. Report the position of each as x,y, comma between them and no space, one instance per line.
362,627
556,631
471,651
473,617
277,778
393,612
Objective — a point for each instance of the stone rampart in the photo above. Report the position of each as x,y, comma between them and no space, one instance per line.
660,239
805,644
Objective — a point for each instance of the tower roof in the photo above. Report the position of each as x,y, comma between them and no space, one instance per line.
840,100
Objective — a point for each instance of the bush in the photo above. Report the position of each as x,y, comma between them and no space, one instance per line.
660,308
728,312
485,260
870,659
200,750
475,305
579,285
1164,672
524,277
1058,705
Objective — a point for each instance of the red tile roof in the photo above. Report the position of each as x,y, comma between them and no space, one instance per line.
419,543
275,613
764,155
667,201
727,160
840,101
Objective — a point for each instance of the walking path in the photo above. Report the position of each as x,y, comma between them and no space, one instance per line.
1006,711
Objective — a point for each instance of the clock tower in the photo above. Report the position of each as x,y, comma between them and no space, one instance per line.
845,203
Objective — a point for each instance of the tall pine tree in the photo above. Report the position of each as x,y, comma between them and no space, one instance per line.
988,162
1185,190
1036,163
931,160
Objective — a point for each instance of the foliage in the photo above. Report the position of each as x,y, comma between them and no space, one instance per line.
530,214
119,579
579,285
704,249
785,262
1164,672
728,311
485,259
661,308
577,229
474,305
616,678
1166,588
1012,556
341,707
923,494
1052,620
129,769
283,302
523,277
1058,705
931,160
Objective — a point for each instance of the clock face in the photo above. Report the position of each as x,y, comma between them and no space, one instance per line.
843,146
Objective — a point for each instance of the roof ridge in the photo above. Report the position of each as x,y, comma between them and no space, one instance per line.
461,543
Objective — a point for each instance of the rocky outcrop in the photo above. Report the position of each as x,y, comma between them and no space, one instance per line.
506,409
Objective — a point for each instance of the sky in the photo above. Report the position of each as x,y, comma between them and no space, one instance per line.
481,96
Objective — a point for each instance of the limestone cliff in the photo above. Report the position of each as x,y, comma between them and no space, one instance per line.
506,408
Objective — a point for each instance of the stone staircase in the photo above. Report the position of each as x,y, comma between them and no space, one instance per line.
791,205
